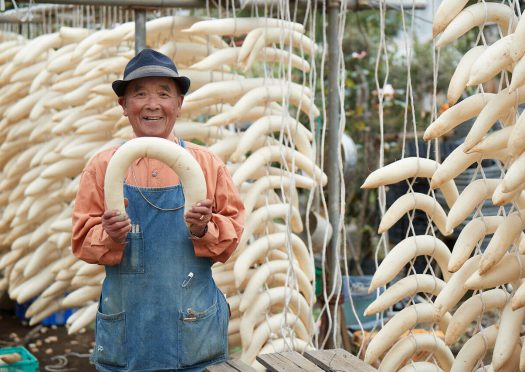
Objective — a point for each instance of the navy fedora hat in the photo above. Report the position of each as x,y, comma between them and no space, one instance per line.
150,63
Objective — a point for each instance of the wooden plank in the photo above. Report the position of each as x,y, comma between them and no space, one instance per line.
222,367
232,365
240,366
338,360
290,361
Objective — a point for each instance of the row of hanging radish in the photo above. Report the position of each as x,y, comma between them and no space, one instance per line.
57,110
495,275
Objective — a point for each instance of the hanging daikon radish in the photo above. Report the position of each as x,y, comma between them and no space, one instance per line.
474,231
270,327
81,296
495,109
459,79
262,96
473,308
405,287
466,109
492,61
270,298
405,251
264,272
240,26
507,270
173,155
84,319
458,161
412,344
409,202
475,349
477,15
508,335
447,11
276,153
262,246
397,325
470,198
508,232
37,47
452,293
495,141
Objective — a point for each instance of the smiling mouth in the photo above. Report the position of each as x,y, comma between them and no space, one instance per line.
152,118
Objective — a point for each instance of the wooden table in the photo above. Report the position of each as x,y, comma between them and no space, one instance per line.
337,360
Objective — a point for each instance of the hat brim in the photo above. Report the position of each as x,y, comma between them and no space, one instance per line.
119,86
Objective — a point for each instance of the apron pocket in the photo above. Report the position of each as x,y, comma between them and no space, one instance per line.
202,338
110,335
133,260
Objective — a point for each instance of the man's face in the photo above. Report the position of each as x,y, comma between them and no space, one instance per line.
152,105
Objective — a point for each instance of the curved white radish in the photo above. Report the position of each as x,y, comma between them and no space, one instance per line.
509,269
408,168
273,182
508,232
411,201
457,114
515,175
270,298
472,308
264,95
87,316
518,49
268,269
495,141
477,15
455,289
475,349
397,325
273,326
186,167
508,335
469,236
276,153
447,11
300,135
408,346
403,288
470,198
239,26
406,250
421,367
495,109
493,60
263,245
458,161
459,79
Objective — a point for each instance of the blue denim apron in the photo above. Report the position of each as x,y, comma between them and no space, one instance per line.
159,309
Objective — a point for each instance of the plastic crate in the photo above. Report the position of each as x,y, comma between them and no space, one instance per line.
361,299
28,363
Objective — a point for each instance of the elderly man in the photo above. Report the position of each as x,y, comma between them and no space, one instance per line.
159,308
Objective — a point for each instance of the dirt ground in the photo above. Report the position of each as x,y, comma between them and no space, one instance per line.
52,347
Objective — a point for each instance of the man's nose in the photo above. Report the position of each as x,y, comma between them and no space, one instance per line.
152,103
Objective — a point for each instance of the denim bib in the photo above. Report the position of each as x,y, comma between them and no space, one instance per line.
159,309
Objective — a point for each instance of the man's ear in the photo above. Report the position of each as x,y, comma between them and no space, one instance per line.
122,103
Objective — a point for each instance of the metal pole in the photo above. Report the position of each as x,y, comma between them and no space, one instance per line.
332,160
140,29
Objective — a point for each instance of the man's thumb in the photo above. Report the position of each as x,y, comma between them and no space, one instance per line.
126,202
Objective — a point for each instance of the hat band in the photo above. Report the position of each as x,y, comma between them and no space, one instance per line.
147,70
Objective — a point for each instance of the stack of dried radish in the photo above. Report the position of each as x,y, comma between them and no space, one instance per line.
57,110
466,268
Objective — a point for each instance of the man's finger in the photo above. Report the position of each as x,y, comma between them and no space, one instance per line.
204,203
200,210
117,225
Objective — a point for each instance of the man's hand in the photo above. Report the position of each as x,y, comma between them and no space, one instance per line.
198,217
116,225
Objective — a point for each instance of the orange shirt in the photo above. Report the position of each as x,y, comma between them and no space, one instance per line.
92,244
